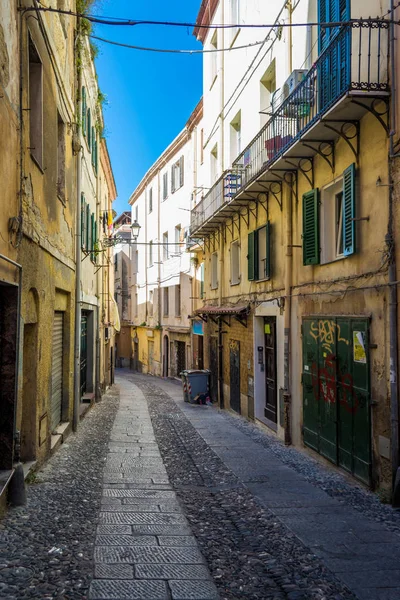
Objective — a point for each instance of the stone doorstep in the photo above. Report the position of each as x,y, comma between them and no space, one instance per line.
59,436
88,398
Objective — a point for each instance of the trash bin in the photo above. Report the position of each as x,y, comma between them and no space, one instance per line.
196,386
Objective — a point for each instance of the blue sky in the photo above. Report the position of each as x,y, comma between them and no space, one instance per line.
149,96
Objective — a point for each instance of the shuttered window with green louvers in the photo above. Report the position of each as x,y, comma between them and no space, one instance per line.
83,222
84,110
88,236
259,253
89,128
349,193
311,250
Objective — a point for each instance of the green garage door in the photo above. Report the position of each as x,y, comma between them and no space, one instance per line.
336,395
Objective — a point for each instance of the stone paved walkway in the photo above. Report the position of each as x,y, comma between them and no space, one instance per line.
144,548
361,552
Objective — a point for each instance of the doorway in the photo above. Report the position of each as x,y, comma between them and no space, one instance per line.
180,357
336,392
213,362
165,356
28,423
271,396
234,359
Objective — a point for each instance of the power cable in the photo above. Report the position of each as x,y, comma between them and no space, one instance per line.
173,51
133,22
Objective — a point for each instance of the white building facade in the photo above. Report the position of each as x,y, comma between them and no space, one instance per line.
162,269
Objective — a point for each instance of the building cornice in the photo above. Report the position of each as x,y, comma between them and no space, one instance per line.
171,150
204,18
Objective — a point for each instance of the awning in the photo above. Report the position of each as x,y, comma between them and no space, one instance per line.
238,311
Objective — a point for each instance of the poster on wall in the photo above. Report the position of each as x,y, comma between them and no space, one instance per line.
359,353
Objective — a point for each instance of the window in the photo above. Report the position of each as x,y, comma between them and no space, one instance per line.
214,270
165,186
151,259
201,146
235,18
35,104
135,263
213,59
177,175
116,262
165,246
94,149
235,262
178,238
267,88
166,302
150,200
60,158
84,110
214,164
89,129
151,303
334,11
202,281
330,235
177,300
135,308
235,131
259,253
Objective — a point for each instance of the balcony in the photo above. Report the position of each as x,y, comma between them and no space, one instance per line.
349,78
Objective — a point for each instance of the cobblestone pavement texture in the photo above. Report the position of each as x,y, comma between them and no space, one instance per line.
271,520
144,546
194,504
46,547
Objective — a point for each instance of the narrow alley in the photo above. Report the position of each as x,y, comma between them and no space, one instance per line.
155,498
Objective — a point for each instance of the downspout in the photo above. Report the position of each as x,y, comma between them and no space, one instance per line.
78,258
287,322
220,332
99,295
221,245
159,272
390,241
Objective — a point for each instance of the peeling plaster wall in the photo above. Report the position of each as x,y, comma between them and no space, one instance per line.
47,249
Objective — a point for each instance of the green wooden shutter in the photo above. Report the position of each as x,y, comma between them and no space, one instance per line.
311,228
268,251
87,225
83,215
251,256
349,230
89,128
84,109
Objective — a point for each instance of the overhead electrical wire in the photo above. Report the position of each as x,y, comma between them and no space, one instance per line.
113,21
172,50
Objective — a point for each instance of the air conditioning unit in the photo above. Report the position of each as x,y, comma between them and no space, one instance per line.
293,81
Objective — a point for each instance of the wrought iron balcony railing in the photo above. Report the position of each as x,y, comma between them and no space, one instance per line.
355,60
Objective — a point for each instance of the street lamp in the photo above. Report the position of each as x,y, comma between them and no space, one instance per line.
135,228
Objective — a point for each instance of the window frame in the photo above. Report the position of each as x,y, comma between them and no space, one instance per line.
214,270
166,301
253,255
235,244
36,120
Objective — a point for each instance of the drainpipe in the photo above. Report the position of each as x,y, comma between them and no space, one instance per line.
159,272
99,296
287,319
78,263
220,333
392,278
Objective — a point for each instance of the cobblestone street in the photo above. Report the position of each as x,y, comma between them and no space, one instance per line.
158,499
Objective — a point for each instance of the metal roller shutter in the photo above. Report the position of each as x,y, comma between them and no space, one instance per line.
56,369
